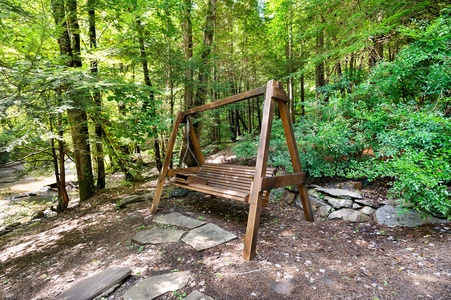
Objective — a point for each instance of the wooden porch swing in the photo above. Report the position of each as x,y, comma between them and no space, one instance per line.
248,184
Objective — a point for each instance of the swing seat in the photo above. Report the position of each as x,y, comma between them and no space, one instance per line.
222,180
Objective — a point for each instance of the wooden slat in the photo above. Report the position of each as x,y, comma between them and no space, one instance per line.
227,174
269,183
191,170
238,170
232,187
229,100
235,167
237,178
233,184
234,195
181,180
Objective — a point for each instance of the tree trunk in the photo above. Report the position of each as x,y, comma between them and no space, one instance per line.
82,153
69,43
149,105
302,83
77,116
290,65
187,30
204,71
249,115
58,168
232,125
64,43
97,98
320,68
376,51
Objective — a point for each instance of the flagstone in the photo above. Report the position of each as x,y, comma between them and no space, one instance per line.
155,286
95,285
157,236
207,236
196,295
177,219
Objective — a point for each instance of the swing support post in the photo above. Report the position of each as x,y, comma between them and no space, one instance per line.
166,163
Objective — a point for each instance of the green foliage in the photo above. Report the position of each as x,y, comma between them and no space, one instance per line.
327,147
400,111
412,146
421,73
139,117
421,181
247,147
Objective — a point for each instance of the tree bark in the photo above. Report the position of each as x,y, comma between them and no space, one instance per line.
376,51
77,116
302,84
149,105
65,16
204,71
97,98
187,30
58,167
320,67
290,65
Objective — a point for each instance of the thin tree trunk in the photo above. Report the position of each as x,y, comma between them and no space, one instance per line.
320,67
232,125
58,167
249,115
97,98
259,114
187,30
376,51
290,65
302,83
149,106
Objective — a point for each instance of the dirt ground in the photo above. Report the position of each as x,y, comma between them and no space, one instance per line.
296,259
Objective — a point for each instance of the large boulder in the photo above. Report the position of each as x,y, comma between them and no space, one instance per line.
397,216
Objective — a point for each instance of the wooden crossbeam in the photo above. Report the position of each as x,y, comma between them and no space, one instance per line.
269,183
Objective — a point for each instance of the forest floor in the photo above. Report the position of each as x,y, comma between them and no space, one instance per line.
296,259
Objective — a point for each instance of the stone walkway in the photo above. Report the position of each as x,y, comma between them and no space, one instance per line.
196,233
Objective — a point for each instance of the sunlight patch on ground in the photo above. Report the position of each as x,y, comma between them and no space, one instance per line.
42,240
49,238
220,157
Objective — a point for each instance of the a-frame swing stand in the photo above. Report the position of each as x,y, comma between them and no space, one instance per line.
248,184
